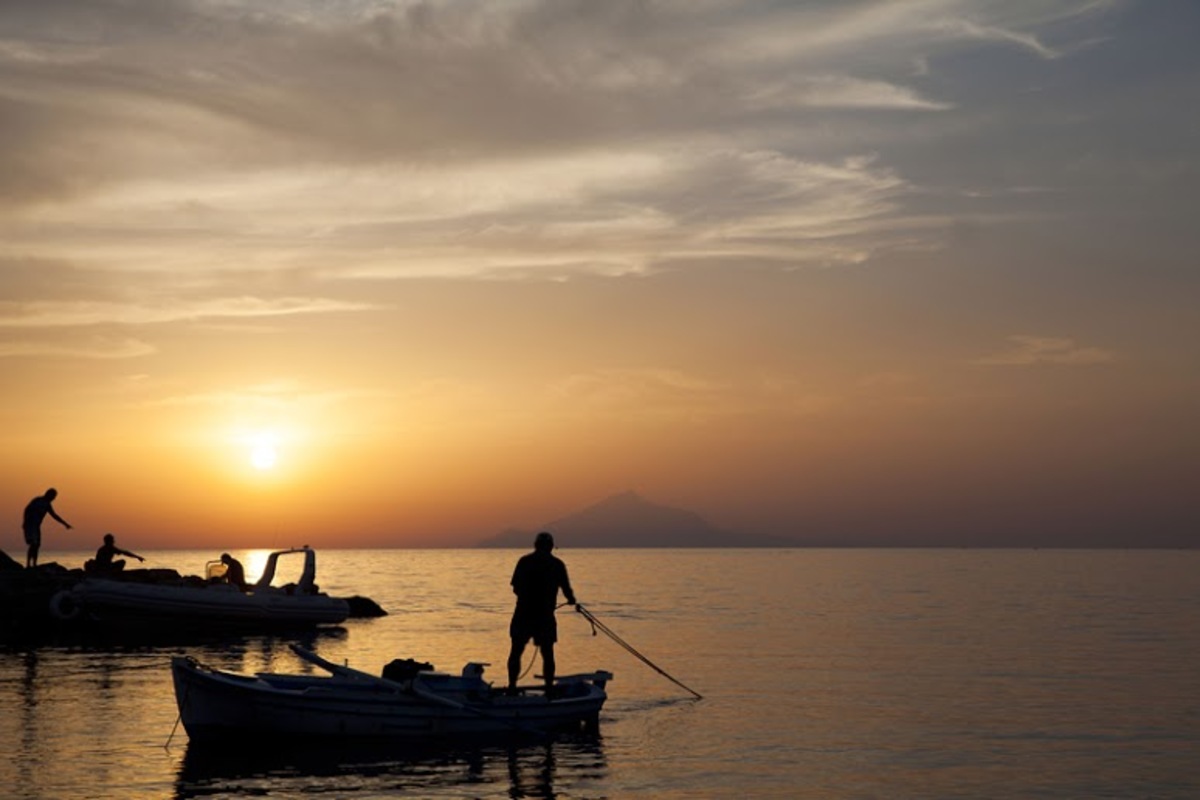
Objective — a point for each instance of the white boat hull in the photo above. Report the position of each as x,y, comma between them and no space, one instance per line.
218,605
124,602
218,706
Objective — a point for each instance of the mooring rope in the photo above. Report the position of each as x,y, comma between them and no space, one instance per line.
597,625
186,690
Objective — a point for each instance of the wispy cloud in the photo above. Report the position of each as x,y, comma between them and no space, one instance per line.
1037,350
469,138
639,387
93,348
65,314
664,393
262,399
997,34
838,91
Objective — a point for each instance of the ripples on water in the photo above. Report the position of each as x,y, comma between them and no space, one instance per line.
826,674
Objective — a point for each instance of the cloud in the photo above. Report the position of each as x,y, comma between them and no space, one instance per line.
267,398
59,314
661,394
471,138
835,91
1037,350
94,348
624,385
996,34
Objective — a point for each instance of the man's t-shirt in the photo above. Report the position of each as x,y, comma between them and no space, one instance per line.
536,581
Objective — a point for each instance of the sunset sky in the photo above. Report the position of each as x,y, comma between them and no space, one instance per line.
409,273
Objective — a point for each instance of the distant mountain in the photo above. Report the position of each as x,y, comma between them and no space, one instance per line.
629,520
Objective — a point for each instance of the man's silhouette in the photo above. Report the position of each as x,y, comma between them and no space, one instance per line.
35,512
536,581
103,563
235,573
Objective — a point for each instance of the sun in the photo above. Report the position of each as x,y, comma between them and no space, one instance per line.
264,456
266,452
263,452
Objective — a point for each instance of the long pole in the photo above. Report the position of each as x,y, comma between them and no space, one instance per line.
597,625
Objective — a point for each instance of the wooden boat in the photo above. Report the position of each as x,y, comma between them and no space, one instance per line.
413,703
211,606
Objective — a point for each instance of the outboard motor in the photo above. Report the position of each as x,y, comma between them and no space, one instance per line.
404,669
474,669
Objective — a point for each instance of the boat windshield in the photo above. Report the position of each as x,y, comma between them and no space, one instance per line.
307,580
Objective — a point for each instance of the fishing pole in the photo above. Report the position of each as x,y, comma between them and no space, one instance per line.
597,625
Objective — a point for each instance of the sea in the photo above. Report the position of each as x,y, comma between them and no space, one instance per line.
823,673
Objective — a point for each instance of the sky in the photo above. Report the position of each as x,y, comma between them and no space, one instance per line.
371,274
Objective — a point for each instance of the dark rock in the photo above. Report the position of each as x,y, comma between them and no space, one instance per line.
364,607
7,564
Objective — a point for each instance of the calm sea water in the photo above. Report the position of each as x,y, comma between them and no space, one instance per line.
825,674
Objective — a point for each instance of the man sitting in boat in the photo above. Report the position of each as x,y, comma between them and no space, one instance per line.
103,563
536,581
235,573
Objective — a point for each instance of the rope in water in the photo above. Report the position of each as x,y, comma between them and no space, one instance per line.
597,625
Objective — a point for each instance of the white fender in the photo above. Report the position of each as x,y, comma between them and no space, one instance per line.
64,606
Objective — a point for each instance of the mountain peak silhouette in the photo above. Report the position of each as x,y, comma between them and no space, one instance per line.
627,519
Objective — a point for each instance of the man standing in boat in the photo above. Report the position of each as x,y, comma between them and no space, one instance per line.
536,581
35,512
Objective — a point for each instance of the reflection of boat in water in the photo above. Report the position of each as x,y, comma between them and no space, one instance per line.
200,605
412,702
381,769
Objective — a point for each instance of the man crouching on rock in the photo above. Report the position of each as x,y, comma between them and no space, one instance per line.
103,563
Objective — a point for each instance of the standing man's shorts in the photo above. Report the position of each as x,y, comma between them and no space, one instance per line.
33,537
542,628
